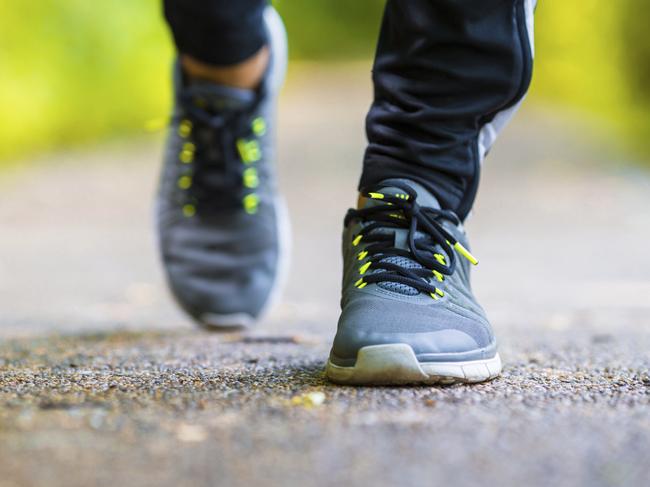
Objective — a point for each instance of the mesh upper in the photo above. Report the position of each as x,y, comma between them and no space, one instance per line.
395,286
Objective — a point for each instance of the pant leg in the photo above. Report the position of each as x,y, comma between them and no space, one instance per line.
448,74
219,32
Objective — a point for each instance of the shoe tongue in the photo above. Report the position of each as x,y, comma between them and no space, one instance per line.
220,98
424,197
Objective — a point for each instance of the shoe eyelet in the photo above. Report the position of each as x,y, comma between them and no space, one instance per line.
251,203
250,177
189,210
439,293
185,128
184,182
439,275
259,126
249,150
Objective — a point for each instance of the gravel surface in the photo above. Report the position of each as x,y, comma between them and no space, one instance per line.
186,409
104,382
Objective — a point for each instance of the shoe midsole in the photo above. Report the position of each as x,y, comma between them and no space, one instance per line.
486,353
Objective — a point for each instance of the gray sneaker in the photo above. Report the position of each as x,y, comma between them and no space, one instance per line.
408,312
222,228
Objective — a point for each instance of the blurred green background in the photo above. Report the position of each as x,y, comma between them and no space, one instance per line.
76,71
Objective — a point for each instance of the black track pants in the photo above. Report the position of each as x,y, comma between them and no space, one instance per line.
220,32
448,74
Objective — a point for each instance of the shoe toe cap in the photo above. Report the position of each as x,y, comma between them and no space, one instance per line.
431,331
220,299
221,276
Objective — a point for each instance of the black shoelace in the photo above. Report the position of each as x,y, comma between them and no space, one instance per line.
217,165
425,234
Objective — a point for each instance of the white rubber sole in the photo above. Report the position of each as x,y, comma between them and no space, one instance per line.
226,322
396,364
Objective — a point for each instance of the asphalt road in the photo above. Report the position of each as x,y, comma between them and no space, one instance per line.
104,382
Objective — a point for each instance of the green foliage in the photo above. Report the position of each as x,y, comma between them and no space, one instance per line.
636,60
74,71
332,29
595,55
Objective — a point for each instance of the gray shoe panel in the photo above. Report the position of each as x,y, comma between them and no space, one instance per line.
223,265
376,318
